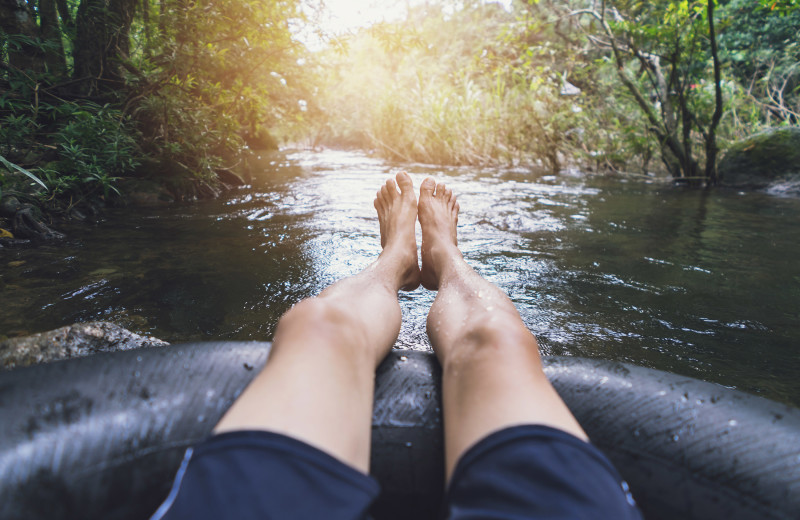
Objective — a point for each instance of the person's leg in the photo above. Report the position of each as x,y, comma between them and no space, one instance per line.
318,383
492,374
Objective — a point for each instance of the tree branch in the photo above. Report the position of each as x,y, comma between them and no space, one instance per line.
662,129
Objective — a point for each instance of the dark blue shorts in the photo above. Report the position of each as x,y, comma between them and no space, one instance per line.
524,472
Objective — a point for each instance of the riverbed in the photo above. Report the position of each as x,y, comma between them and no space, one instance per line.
701,283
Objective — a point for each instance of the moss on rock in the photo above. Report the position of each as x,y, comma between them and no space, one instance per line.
761,159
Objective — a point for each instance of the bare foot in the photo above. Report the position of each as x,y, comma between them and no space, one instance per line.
397,214
438,216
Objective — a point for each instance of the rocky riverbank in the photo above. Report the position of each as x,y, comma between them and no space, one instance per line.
78,340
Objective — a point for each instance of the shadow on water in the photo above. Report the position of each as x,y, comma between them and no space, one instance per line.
181,273
698,283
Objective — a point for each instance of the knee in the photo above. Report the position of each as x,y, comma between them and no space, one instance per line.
319,321
313,314
498,339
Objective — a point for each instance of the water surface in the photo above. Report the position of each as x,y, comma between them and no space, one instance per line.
705,284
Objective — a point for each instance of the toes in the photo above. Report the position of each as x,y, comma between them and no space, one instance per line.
426,188
391,189
381,203
404,181
441,189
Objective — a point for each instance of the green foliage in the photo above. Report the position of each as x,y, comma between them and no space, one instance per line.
11,166
190,86
463,82
223,75
96,144
781,6
77,149
477,85
436,88
17,129
760,43
195,85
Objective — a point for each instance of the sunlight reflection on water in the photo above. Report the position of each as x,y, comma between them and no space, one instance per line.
701,284
498,220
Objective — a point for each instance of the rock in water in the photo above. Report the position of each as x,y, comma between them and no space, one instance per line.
762,159
80,339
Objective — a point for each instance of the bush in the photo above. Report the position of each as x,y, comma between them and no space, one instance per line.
96,144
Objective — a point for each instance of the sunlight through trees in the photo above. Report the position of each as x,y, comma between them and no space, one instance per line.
98,91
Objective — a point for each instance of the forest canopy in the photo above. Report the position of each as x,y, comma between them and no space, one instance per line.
97,92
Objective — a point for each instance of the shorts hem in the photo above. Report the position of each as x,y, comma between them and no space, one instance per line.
278,442
525,432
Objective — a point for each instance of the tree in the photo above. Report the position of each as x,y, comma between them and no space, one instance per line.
21,33
51,37
661,50
182,92
102,43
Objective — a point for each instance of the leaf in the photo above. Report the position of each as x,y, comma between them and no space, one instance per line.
11,166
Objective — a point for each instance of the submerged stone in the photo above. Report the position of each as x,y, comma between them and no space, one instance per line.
144,192
105,271
78,340
769,157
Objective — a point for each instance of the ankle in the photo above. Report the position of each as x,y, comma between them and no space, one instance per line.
396,272
445,258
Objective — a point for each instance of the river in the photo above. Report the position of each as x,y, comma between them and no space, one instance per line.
705,284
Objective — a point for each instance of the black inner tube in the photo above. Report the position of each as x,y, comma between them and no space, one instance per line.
101,437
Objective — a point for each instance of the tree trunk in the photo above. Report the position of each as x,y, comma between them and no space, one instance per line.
146,23
66,16
102,40
689,168
162,18
51,34
16,19
674,126
673,153
711,138
90,48
122,12
671,162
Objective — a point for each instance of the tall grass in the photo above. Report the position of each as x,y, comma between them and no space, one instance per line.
415,106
